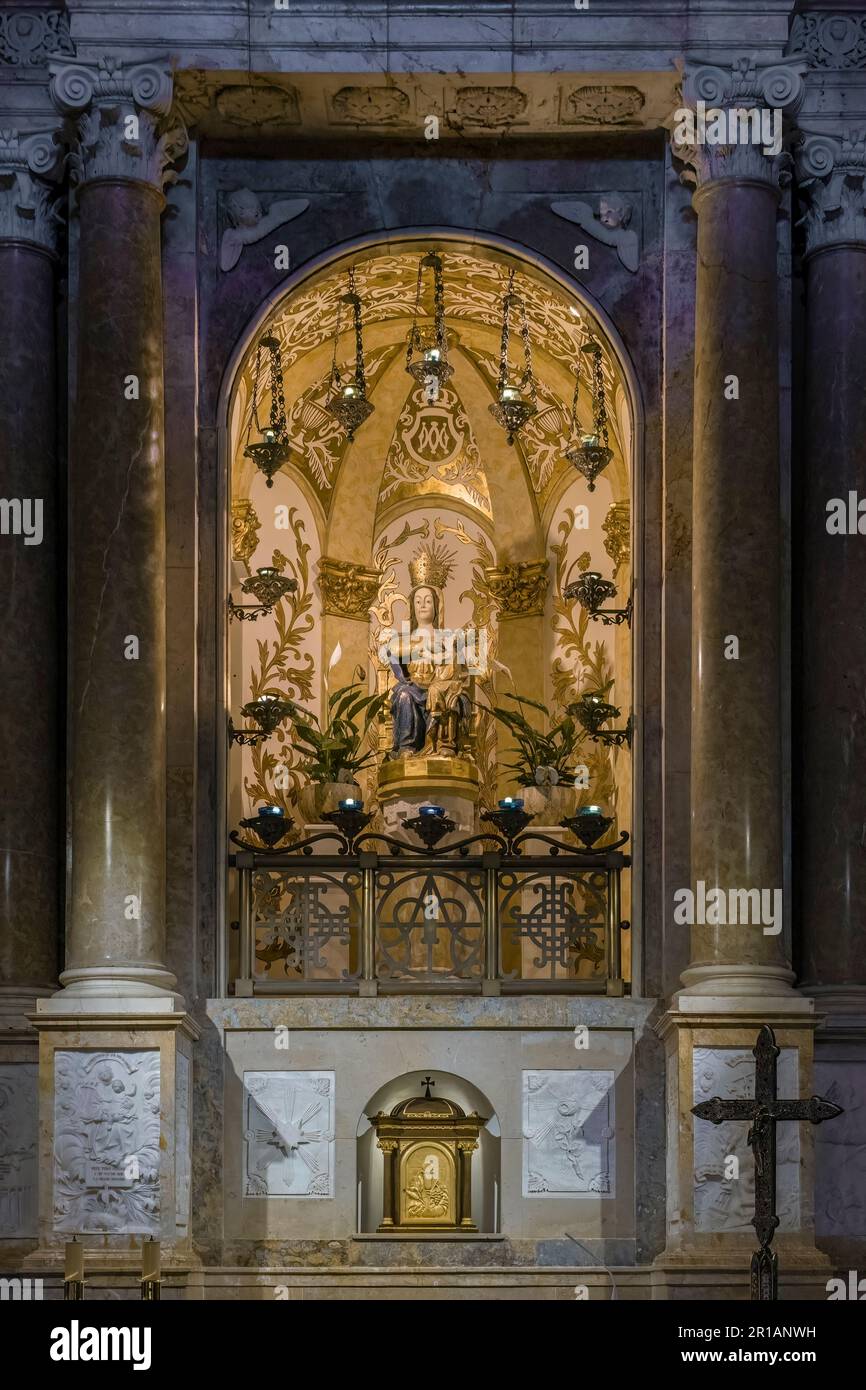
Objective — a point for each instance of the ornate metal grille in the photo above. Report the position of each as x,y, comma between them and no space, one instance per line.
359,921
430,926
303,924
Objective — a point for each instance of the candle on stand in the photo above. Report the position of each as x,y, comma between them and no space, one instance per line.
431,810
511,803
271,811
150,1280
350,803
150,1259
73,1268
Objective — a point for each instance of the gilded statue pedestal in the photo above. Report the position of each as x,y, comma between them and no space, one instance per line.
419,779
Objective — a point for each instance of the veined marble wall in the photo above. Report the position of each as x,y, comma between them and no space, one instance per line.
18,1155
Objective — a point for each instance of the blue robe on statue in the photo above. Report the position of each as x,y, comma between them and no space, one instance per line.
409,713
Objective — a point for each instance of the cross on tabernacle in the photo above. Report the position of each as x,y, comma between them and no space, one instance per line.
428,1082
764,1112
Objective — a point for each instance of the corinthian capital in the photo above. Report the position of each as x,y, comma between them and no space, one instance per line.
120,110
831,174
29,164
730,125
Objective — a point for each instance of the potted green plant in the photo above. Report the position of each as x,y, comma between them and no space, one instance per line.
545,763
334,751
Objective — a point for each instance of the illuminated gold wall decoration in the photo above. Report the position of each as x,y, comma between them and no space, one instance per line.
580,664
520,590
318,442
433,452
245,531
617,530
348,591
279,671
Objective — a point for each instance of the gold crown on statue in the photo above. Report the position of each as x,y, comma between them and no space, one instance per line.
432,565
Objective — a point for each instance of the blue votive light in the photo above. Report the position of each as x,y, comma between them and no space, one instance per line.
511,803
271,811
590,811
431,810
350,803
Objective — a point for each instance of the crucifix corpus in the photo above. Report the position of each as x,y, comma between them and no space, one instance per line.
764,1113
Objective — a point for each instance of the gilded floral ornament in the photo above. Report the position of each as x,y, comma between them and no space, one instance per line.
245,531
617,529
348,591
520,589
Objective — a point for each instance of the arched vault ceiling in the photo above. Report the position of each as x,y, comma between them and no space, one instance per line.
305,323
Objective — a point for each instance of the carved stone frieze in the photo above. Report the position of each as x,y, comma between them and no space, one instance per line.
258,104
730,123
568,1133
107,1142
348,591
369,106
602,105
28,38
245,531
520,589
18,1141
724,1192
832,184
28,210
830,40
120,109
489,106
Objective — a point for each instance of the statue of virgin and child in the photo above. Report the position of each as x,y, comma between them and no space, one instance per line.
430,704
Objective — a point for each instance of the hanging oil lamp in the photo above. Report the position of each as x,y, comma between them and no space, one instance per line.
273,450
427,350
517,398
347,399
590,452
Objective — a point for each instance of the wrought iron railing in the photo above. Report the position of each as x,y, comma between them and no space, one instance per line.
370,914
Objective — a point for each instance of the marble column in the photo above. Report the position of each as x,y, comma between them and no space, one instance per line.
832,813
29,664
116,919
736,768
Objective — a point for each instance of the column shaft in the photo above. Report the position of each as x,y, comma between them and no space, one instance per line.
833,779
118,677
736,788
29,786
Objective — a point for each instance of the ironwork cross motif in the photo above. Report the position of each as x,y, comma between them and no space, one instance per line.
428,1082
765,1112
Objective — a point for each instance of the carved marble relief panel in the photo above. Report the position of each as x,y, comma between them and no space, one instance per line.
568,1133
725,1192
182,1156
288,1134
18,1161
840,1152
106,1142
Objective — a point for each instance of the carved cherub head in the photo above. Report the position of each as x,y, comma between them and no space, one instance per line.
243,208
614,210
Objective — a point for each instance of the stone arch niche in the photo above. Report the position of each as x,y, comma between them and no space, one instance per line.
486,1180
522,512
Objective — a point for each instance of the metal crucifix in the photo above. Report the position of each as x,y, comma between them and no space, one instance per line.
765,1112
